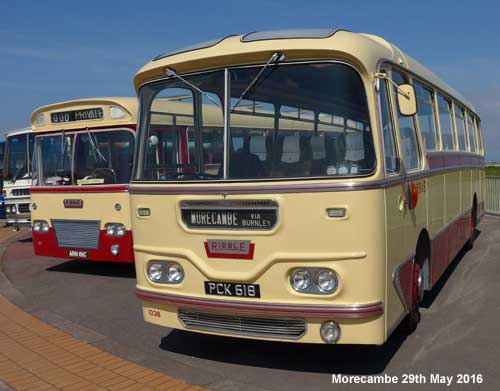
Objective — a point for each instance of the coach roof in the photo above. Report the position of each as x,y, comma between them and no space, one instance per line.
128,106
16,132
364,50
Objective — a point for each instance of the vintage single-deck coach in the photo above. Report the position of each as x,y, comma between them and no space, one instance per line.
312,186
17,173
83,160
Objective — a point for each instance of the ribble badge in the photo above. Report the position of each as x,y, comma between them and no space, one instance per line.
232,249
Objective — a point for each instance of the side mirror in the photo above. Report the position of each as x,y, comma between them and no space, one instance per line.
407,100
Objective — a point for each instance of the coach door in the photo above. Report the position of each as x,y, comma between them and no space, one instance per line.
412,190
402,162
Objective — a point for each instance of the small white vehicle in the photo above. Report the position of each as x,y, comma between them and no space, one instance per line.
18,176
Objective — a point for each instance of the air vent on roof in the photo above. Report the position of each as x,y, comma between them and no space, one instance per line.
288,34
196,46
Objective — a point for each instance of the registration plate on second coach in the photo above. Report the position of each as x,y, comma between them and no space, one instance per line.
78,254
232,289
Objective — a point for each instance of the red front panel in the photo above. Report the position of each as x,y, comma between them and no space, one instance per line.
45,244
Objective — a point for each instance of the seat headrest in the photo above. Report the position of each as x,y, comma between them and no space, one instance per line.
291,149
318,147
258,147
237,143
355,149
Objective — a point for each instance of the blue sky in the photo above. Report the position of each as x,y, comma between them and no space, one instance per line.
52,51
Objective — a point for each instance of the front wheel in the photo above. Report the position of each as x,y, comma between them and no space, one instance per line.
413,318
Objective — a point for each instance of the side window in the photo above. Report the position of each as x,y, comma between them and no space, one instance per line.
444,107
480,143
391,161
472,133
460,124
407,134
426,116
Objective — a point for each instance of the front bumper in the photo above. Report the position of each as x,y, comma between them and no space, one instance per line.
359,323
45,244
256,308
18,218
22,215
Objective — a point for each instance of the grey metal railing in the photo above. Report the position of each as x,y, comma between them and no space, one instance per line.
492,195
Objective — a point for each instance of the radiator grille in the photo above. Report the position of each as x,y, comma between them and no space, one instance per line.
20,192
77,233
23,208
258,327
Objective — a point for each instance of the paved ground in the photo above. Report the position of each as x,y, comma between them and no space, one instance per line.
36,356
95,302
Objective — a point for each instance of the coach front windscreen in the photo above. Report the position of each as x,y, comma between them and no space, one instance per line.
307,120
90,157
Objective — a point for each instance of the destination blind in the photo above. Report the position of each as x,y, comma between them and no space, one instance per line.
77,115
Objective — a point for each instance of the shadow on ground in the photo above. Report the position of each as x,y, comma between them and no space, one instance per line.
430,296
108,269
345,359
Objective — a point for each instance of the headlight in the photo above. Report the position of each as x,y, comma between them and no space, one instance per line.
41,226
155,272
175,273
13,209
115,229
301,280
164,272
327,281
318,281
7,209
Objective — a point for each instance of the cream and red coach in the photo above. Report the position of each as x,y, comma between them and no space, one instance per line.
83,159
322,202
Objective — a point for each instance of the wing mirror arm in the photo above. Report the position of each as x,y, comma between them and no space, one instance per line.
406,96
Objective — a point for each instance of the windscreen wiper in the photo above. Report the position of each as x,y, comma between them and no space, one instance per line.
171,72
275,58
96,149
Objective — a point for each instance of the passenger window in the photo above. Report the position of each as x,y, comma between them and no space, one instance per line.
444,107
472,133
409,146
426,116
460,124
391,161
479,136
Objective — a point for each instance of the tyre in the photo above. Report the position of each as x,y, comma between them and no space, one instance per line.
413,318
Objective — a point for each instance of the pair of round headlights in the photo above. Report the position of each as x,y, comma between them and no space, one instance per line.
314,280
165,272
40,226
